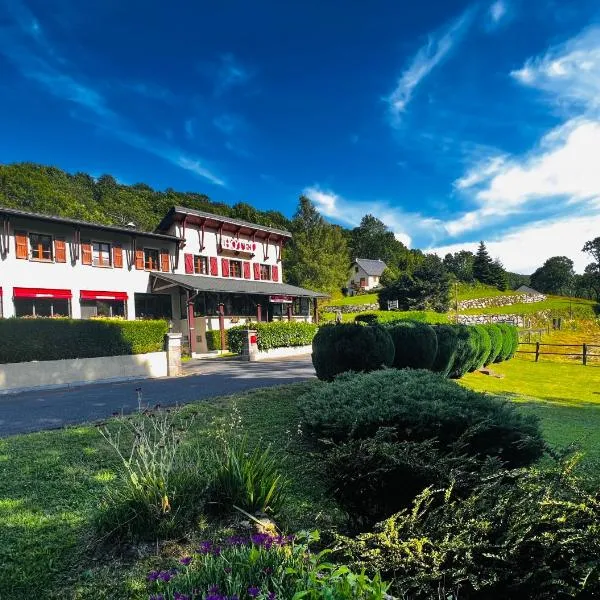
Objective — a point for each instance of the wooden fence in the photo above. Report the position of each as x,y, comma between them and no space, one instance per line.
585,353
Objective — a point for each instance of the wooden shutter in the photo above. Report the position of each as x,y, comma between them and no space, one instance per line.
60,251
21,245
246,270
225,267
214,266
257,271
117,257
275,273
188,260
86,253
165,263
139,259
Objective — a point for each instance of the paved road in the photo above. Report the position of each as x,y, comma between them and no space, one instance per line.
34,411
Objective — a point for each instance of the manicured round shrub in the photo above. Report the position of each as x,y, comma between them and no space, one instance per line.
485,346
447,341
496,343
507,342
514,335
351,347
419,405
467,349
369,318
415,344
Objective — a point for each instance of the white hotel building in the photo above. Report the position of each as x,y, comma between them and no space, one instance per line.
199,270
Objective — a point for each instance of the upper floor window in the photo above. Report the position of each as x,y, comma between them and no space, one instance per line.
41,246
235,268
265,272
151,259
356,269
201,265
101,254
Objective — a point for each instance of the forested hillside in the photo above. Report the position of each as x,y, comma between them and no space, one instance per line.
49,190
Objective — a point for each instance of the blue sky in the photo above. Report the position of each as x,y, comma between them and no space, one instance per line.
452,121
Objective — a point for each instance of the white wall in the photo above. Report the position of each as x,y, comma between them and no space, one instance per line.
370,280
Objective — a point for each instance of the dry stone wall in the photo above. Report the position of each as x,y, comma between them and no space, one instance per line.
517,320
351,308
500,301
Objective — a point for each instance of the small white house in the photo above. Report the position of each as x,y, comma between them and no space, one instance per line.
365,274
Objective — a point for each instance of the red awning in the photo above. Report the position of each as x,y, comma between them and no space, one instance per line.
41,293
0,291
92,295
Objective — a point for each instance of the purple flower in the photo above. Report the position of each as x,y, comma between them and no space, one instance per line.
152,576
267,570
213,589
216,551
165,576
271,596
185,561
235,540
157,597
205,548
253,591
262,539
178,596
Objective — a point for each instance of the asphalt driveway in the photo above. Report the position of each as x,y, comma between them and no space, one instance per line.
37,410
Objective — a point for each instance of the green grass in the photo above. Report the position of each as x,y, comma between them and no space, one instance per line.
427,316
52,482
351,300
565,396
470,291
581,308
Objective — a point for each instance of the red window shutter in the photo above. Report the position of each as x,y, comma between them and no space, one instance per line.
275,273
21,245
225,267
139,259
214,266
188,260
117,257
246,270
86,254
165,263
60,251
256,271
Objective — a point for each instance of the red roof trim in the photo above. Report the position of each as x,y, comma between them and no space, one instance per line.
101,295
19,292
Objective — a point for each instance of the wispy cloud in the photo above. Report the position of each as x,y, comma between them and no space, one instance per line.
497,11
152,91
189,129
227,123
231,73
425,60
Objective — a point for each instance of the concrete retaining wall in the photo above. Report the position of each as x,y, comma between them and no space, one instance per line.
59,373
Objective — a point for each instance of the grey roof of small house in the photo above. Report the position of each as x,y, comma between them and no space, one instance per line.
525,289
371,267
203,283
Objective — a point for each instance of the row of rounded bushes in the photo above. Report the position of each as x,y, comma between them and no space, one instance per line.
452,350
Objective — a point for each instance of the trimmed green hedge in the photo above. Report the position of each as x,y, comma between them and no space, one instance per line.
507,342
447,345
485,347
496,342
351,347
415,344
24,340
388,316
278,334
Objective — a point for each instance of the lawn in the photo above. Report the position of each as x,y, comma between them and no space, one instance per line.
471,291
565,396
53,481
351,300
427,316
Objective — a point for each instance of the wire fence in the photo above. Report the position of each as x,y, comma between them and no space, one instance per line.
586,353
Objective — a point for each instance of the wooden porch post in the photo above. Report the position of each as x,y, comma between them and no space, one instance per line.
289,312
222,324
259,312
191,325
315,311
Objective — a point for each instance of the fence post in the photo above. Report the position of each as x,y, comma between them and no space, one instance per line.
584,355
537,351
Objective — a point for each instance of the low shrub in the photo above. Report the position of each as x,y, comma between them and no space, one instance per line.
419,405
279,334
213,340
415,344
529,533
467,350
485,347
265,567
351,347
24,340
387,316
495,334
447,342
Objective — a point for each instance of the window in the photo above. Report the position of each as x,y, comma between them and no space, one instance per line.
201,265
102,308
153,306
301,307
101,254
235,268
41,307
356,269
41,246
265,272
151,259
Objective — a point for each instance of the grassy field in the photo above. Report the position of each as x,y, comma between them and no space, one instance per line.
428,316
470,291
350,300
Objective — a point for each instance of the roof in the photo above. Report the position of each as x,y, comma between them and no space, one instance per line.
371,267
200,283
178,213
525,289
77,222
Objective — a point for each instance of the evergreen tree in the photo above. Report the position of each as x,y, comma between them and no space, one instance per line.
483,269
555,276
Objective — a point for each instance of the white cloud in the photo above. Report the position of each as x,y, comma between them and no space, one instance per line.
524,249
425,60
497,11
231,73
404,225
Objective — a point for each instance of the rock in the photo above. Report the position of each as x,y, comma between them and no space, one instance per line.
491,373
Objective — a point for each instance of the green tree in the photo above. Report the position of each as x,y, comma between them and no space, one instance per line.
461,264
592,247
482,266
372,239
498,275
555,276
317,256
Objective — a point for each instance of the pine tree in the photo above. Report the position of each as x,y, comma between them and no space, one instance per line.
483,269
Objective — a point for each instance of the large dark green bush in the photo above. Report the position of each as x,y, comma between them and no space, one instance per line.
419,405
467,350
351,347
415,344
507,342
529,533
496,342
447,338
485,347
278,334
24,340
213,340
